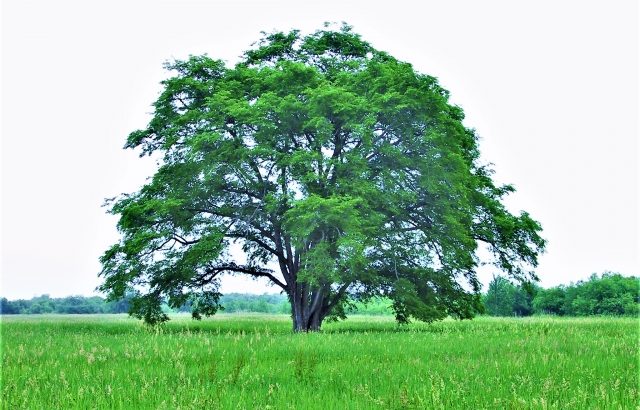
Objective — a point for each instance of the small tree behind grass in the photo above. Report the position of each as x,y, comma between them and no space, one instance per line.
503,298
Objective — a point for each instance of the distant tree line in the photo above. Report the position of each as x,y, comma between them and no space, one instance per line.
608,294
68,305
233,302
243,302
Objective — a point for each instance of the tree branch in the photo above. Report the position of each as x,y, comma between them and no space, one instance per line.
249,270
339,294
258,241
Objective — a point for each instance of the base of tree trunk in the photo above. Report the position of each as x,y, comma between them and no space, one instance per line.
311,325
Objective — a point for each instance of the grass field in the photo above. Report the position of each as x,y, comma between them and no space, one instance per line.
252,361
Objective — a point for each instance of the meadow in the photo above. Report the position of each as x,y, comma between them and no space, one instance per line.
255,361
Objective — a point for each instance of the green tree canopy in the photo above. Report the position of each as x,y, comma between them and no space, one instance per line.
342,172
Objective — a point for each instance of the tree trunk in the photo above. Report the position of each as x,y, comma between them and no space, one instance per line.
297,313
304,318
315,321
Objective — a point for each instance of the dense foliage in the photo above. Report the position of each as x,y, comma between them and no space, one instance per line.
334,163
608,294
503,298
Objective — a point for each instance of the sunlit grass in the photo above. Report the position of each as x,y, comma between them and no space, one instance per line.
254,361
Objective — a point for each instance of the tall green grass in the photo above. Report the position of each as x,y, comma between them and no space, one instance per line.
254,361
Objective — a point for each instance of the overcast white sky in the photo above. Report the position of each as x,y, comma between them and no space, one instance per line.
551,87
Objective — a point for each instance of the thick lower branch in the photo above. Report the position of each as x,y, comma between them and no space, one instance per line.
255,240
337,297
257,272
